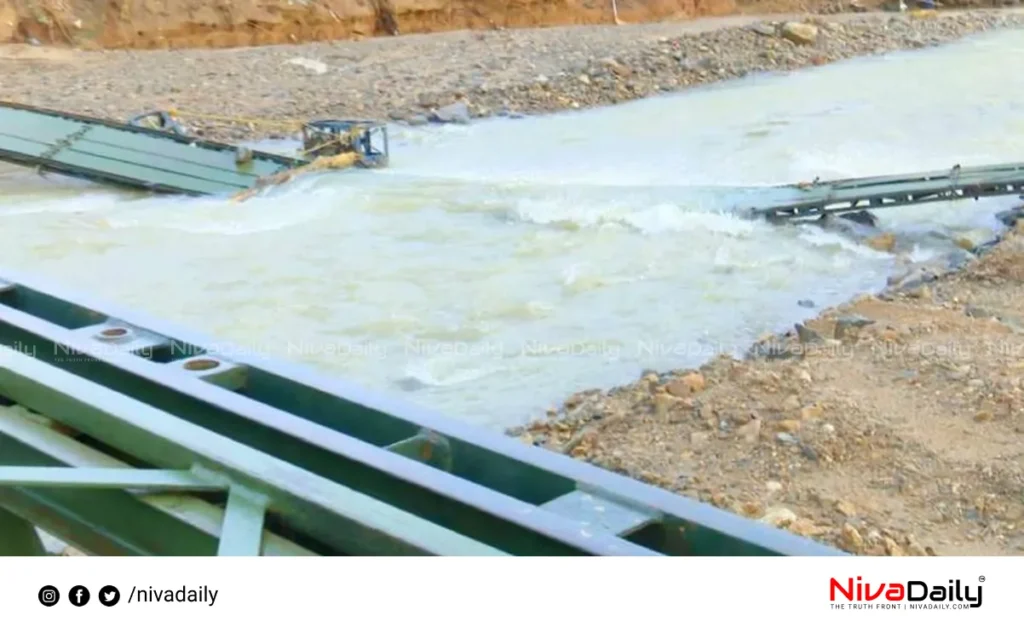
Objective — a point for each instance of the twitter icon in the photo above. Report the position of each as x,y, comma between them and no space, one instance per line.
109,596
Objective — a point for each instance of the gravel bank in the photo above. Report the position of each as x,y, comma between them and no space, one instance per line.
491,72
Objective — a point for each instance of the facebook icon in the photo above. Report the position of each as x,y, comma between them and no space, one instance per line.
79,596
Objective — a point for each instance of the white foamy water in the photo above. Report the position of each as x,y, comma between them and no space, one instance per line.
496,268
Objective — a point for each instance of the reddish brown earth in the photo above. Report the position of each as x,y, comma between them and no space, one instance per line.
215,24
231,23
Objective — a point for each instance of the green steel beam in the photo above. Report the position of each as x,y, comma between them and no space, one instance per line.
242,534
333,514
422,488
789,202
99,478
106,521
18,537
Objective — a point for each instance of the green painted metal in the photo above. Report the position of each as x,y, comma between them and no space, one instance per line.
18,537
119,154
153,392
99,478
242,534
109,522
790,202
335,515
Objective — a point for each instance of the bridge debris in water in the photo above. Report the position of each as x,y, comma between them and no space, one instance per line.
164,160
810,201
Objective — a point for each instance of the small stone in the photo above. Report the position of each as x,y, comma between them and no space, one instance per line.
751,509
700,438
773,486
808,452
808,336
799,33
885,242
788,426
845,508
983,416
810,412
847,324
750,432
914,549
920,292
805,527
851,540
976,312
689,384
779,516
663,403
786,438
971,240
455,113
1010,218
891,548
791,403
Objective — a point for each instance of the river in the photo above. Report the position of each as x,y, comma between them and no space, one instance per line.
498,267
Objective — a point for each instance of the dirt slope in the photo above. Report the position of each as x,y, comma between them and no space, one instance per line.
223,23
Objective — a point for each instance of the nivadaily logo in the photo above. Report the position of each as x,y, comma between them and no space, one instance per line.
913,594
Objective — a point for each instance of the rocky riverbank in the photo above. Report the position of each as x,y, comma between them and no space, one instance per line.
455,76
891,425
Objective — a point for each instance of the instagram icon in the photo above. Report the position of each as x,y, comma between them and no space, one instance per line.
49,596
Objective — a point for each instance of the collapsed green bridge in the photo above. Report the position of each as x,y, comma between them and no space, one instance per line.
165,160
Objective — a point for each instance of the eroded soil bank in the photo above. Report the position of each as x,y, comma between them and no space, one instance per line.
148,24
202,23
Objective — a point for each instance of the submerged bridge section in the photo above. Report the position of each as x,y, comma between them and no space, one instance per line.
815,199
167,161
122,435
164,160
128,156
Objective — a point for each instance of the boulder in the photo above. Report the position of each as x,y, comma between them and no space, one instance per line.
800,33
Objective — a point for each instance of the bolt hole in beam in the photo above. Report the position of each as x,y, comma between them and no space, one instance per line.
200,364
113,333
